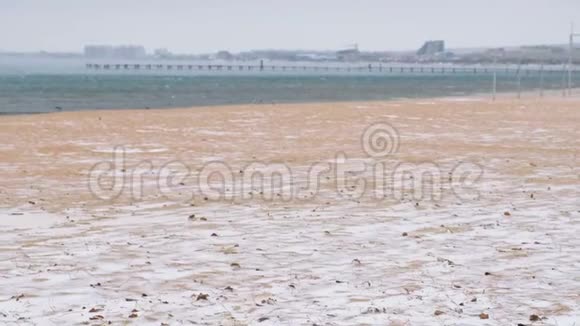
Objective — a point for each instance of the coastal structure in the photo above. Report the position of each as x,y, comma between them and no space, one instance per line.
224,55
430,52
117,52
162,53
351,53
432,48
260,66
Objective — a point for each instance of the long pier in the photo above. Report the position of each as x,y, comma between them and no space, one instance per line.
323,69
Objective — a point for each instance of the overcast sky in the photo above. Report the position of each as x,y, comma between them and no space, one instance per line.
195,26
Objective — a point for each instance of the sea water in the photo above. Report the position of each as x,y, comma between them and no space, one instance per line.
46,86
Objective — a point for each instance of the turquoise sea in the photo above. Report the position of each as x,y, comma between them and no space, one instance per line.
48,87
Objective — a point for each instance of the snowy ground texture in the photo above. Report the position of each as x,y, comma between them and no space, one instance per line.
508,255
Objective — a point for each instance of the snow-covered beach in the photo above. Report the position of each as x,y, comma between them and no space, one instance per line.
490,237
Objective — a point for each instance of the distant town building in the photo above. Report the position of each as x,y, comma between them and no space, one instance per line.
98,51
120,52
432,48
129,52
350,54
224,55
162,53
315,57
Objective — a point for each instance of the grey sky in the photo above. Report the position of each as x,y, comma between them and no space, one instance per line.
186,26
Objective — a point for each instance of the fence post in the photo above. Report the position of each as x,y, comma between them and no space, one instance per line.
542,81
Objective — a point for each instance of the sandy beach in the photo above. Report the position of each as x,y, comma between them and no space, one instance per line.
474,220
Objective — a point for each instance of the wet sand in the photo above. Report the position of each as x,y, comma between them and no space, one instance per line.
499,250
